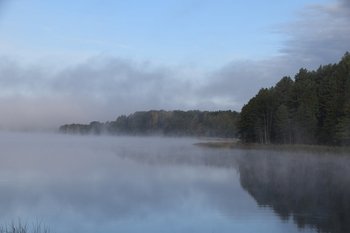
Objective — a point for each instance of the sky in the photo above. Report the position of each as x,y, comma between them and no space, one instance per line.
84,60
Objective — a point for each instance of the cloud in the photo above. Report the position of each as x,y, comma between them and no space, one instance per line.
99,88
126,85
345,3
319,36
238,81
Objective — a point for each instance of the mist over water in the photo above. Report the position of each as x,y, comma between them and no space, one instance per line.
152,184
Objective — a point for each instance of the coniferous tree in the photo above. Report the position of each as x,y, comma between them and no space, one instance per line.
314,108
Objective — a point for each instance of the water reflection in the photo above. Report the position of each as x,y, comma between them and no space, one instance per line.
108,184
313,190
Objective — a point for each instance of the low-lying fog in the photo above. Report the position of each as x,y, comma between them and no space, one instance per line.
149,184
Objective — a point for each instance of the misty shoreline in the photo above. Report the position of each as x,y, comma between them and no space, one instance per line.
235,144
205,142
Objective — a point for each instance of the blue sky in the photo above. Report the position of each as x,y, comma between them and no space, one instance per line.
78,61
205,32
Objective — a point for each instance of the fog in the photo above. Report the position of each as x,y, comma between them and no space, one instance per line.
52,75
108,184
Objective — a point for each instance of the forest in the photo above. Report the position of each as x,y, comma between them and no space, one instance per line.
312,108
171,123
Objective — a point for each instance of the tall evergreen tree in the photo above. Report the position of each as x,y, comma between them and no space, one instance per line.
314,108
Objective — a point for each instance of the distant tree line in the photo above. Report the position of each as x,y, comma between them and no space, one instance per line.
314,108
177,123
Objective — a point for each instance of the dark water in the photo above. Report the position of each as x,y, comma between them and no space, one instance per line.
132,184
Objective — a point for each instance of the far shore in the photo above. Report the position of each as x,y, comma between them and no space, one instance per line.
236,144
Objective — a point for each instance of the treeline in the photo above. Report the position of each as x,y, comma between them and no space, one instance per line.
314,108
176,123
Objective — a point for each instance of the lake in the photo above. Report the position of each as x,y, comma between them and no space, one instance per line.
151,184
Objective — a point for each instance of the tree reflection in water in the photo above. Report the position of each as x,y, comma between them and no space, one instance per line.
313,190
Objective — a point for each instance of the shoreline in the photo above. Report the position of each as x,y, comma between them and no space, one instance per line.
234,144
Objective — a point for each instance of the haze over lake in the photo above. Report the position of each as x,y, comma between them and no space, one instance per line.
152,184
258,74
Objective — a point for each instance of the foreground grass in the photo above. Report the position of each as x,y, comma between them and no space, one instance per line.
295,147
24,228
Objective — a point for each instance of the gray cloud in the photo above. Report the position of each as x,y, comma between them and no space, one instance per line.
238,81
98,89
345,3
320,36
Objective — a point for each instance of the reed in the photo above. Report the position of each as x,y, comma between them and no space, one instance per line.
19,227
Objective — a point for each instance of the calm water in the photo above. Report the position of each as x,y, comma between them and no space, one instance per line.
132,184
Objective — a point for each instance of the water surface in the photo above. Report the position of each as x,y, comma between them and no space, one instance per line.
134,184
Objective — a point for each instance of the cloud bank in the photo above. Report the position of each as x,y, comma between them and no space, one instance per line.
319,36
100,88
